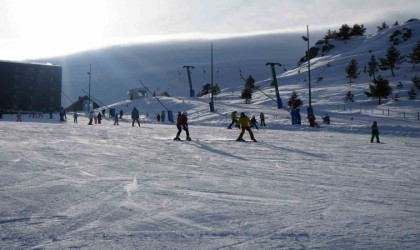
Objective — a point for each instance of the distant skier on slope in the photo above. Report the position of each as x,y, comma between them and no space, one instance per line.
135,116
91,115
116,120
245,122
234,120
375,132
262,119
182,124
254,123
75,115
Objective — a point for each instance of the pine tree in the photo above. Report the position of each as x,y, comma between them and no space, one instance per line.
247,95
250,82
416,81
349,97
379,89
382,27
415,54
391,59
412,93
372,66
216,89
294,101
358,30
352,69
247,91
344,32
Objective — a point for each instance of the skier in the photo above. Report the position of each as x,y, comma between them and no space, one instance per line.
312,122
254,122
182,123
121,114
91,115
244,122
162,116
262,119
75,115
135,116
116,120
18,117
326,119
99,117
234,120
375,132
158,118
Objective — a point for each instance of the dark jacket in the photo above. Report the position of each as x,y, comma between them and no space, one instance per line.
135,114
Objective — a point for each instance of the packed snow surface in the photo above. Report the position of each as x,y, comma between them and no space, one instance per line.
66,185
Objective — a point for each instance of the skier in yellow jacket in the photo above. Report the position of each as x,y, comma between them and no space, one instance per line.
245,124
234,120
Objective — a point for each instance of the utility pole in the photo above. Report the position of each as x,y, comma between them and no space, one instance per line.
211,88
306,39
90,77
273,72
189,78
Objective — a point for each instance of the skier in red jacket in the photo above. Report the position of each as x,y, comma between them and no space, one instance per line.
182,124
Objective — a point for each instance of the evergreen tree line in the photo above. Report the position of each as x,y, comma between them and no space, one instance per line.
345,32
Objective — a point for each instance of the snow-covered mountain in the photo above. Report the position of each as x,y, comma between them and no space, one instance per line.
328,80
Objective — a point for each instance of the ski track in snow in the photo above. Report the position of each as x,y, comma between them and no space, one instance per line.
78,186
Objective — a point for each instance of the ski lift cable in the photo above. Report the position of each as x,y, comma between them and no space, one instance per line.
91,96
153,96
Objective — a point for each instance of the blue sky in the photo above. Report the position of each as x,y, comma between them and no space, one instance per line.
45,28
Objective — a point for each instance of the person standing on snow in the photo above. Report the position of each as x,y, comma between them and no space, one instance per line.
375,132
254,122
75,115
262,119
99,117
234,120
121,114
18,117
182,123
135,116
116,120
91,115
244,122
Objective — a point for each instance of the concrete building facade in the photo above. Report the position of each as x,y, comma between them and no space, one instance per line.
29,87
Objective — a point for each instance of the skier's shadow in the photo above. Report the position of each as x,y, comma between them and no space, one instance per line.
216,151
297,151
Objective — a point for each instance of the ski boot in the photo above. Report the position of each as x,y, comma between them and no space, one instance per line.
177,139
188,139
240,139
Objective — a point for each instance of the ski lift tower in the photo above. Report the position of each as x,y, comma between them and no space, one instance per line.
306,39
273,72
189,78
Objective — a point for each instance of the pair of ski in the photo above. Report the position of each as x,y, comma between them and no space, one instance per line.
179,139
240,139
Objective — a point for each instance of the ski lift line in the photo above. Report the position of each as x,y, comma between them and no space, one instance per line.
68,98
153,96
106,106
288,110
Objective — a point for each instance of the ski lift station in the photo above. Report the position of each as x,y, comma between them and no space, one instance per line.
137,93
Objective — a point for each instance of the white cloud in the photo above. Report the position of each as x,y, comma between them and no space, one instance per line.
71,25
